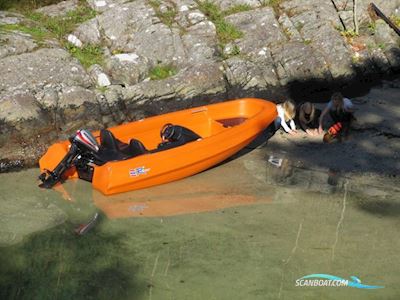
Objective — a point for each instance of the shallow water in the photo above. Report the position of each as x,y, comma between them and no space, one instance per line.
274,223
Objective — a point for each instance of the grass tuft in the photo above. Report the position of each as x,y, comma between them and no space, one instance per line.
25,5
348,33
272,3
87,55
45,27
162,71
226,32
61,26
395,19
168,16
236,9
37,33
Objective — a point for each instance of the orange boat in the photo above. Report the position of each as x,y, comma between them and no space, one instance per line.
158,149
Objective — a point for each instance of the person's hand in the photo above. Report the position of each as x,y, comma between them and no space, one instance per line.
310,131
292,132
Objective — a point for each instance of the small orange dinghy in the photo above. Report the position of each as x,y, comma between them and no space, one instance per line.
158,149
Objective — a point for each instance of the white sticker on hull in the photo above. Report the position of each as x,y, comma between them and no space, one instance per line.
138,171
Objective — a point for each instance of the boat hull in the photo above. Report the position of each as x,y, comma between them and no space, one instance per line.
225,129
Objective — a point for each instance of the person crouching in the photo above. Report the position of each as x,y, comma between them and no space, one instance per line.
308,118
286,114
341,111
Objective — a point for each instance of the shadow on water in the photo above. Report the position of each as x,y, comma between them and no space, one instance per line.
58,264
380,208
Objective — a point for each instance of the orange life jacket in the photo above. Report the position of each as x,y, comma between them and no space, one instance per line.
335,129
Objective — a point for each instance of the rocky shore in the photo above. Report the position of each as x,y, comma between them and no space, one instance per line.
95,64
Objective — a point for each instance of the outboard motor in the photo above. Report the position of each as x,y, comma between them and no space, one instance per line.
86,140
81,152
174,136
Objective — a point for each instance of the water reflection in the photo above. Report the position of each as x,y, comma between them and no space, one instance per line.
208,191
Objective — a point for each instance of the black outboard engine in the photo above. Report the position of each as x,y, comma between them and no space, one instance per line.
81,153
176,135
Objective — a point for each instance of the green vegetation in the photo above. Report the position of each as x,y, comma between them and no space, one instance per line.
117,51
226,32
38,33
272,3
355,59
235,51
168,16
395,20
381,46
348,33
299,26
236,9
162,71
61,26
102,89
42,27
25,5
307,42
87,55
372,27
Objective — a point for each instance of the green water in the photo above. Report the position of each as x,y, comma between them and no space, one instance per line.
346,227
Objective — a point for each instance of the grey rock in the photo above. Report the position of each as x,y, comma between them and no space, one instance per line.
204,81
10,18
254,73
158,43
288,28
392,54
32,71
59,9
132,18
347,19
18,107
316,25
48,98
187,13
260,29
75,97
78,108
127,68
99,78
387,7
299,62
254,67
14,43
384,34
104,5
226,4
89,32
200,44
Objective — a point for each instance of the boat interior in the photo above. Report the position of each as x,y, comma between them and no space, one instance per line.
203,121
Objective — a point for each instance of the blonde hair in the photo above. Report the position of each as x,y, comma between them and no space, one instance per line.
290,109
338,98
